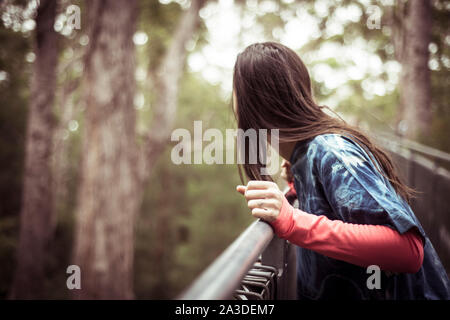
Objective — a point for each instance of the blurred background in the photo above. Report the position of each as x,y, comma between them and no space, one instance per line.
90,92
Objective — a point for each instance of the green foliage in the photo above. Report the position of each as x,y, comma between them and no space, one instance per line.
440,79
159,22
13,101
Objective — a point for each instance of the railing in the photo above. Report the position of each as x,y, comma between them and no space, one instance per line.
421,168
257,265
395,143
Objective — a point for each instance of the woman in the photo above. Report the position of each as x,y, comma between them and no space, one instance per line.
353,209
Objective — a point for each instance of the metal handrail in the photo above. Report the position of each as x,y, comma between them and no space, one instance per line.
389,136
413,146
223,276
420,167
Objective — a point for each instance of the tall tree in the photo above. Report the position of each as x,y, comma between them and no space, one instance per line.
108,198
411,44
37,198
66,110
167,83
114,168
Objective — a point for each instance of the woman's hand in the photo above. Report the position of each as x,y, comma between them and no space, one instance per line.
264,198
286,171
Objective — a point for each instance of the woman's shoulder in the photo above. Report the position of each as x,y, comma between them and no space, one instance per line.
334,141
325,149
331,143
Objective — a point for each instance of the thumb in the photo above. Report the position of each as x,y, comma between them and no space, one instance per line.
241,189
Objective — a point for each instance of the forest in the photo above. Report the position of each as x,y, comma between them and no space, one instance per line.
92,91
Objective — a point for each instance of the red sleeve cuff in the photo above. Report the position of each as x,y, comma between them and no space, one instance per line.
284,223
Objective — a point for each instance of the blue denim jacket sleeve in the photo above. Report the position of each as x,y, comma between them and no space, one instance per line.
355,189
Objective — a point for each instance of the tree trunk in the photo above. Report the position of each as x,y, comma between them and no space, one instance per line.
113,169
67,111
37,198
109,195
415,90
60,153
167,83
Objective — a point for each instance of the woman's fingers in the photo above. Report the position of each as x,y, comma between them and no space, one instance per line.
286,171
259,194
263,197
241,189
262,203
255,186
259,184
255,204
285,164
259,213
266,215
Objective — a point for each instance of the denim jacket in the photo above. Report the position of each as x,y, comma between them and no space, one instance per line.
335,177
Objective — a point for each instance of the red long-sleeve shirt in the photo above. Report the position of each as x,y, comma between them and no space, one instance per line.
362,245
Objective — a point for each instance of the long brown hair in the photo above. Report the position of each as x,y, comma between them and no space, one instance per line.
273,91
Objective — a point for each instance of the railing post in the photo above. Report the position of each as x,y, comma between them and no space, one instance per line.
282,255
